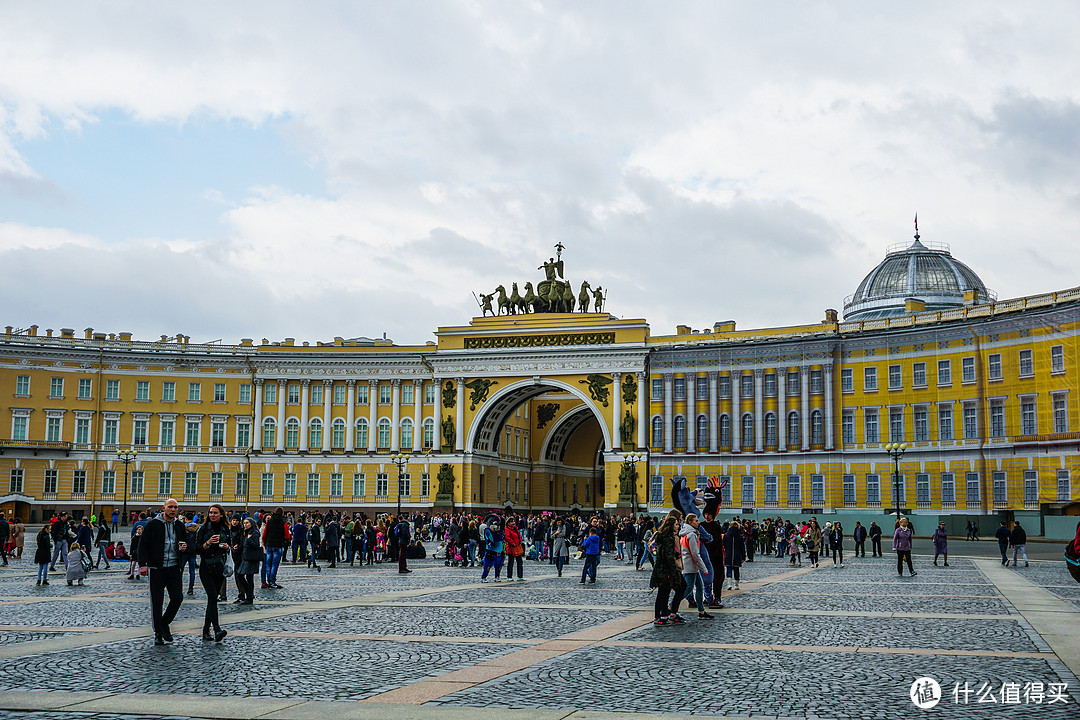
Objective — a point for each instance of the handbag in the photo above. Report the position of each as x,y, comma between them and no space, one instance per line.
227,571
87,563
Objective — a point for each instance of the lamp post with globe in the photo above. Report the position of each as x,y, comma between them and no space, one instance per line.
896,451
127,457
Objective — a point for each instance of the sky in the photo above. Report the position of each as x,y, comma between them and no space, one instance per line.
313,170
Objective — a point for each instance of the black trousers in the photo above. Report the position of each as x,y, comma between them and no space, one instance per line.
860,548
663,593
876,546
213,581
169,579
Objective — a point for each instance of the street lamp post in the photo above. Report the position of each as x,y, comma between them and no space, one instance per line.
630,461
401,460
126,457
896,451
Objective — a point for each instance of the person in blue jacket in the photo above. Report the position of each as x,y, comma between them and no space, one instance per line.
591,546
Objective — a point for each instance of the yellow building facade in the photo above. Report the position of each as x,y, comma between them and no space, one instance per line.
542,411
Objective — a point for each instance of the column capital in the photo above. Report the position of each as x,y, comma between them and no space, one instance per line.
351,382
759,372
305,381
372,382
418,382
327,382
713,374
668,376
804,370
258,381
616,376
827,368
640,376
396,382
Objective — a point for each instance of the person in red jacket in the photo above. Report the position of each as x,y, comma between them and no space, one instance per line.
515,549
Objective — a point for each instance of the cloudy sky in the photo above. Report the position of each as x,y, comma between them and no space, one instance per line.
265,169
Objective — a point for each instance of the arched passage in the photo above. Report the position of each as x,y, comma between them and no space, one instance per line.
554,447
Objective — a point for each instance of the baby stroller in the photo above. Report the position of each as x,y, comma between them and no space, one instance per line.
453,554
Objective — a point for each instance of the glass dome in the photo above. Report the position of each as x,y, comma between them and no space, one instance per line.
928,273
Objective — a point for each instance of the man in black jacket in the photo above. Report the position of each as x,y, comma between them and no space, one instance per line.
5,533
875,540
161,549
1018,540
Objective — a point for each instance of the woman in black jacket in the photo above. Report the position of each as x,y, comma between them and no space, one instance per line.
212,543
251,555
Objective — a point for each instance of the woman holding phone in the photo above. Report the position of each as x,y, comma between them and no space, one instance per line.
212,543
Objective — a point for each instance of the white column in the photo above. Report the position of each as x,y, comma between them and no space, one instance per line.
691,412
804,410
282,396
669,414
714,415
644,407
781,408
373,407
736,411
759,410
328,401
418,409
826,377
304,385
616,411
256,438
395,414
350,416
459,437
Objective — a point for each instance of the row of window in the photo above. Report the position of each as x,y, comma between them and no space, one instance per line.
383,429
793,438
872,491
945,371
746,387
220,393
267,485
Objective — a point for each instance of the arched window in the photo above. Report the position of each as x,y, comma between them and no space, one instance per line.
793,429
817,429
703,431
725,431
680,431
292,433
429,434
361,434
337,436
770,429
748,431
658,432
269,430
384,434
315,434
406,433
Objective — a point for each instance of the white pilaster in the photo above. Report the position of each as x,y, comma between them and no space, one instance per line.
736,411
328,401
256,438
804,410
305,384
459,438
616,411
643,407
759,410
282,396
373,414
714,415
826,377
350,416
395,415
781,409
691,412
418,409
669,414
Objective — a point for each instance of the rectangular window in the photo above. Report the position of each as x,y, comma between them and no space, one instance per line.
112,430
724,386
870,378
918,374
1057,359
82,431
405,484
22,385
748,490
140,433
849,491
85,386
971,422
847,380
53,429
52,481
922,488
191,483
793,383
895,378
944,372
337,484
266,486
292,394
993,366
164,483
241,484
794,491
429,393
770,385
138,482
219,392
998,478
194,392
1027,367
112,389
382,485
16,483
997,418
656,489
1064,486
244,394
56,387
770,489
217,433
972,490
657,389
316,394
945,427
216,482
896,425
1031,487
362,394
429,434
871,423
386,394
78,482
142,390
848,427
167,431
191,437
425,485
407,397
873,489
817,490
270,393
948,488
340,394
290,485
1028,425
313,485
922,424
243,435
702,389
967,370
747,386
168,392
817,384
1061,414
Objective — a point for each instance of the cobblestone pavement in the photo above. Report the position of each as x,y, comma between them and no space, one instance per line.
436,639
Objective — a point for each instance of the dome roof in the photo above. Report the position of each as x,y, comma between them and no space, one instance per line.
920,272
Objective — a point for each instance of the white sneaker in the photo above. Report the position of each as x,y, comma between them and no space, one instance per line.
841,564
736,584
